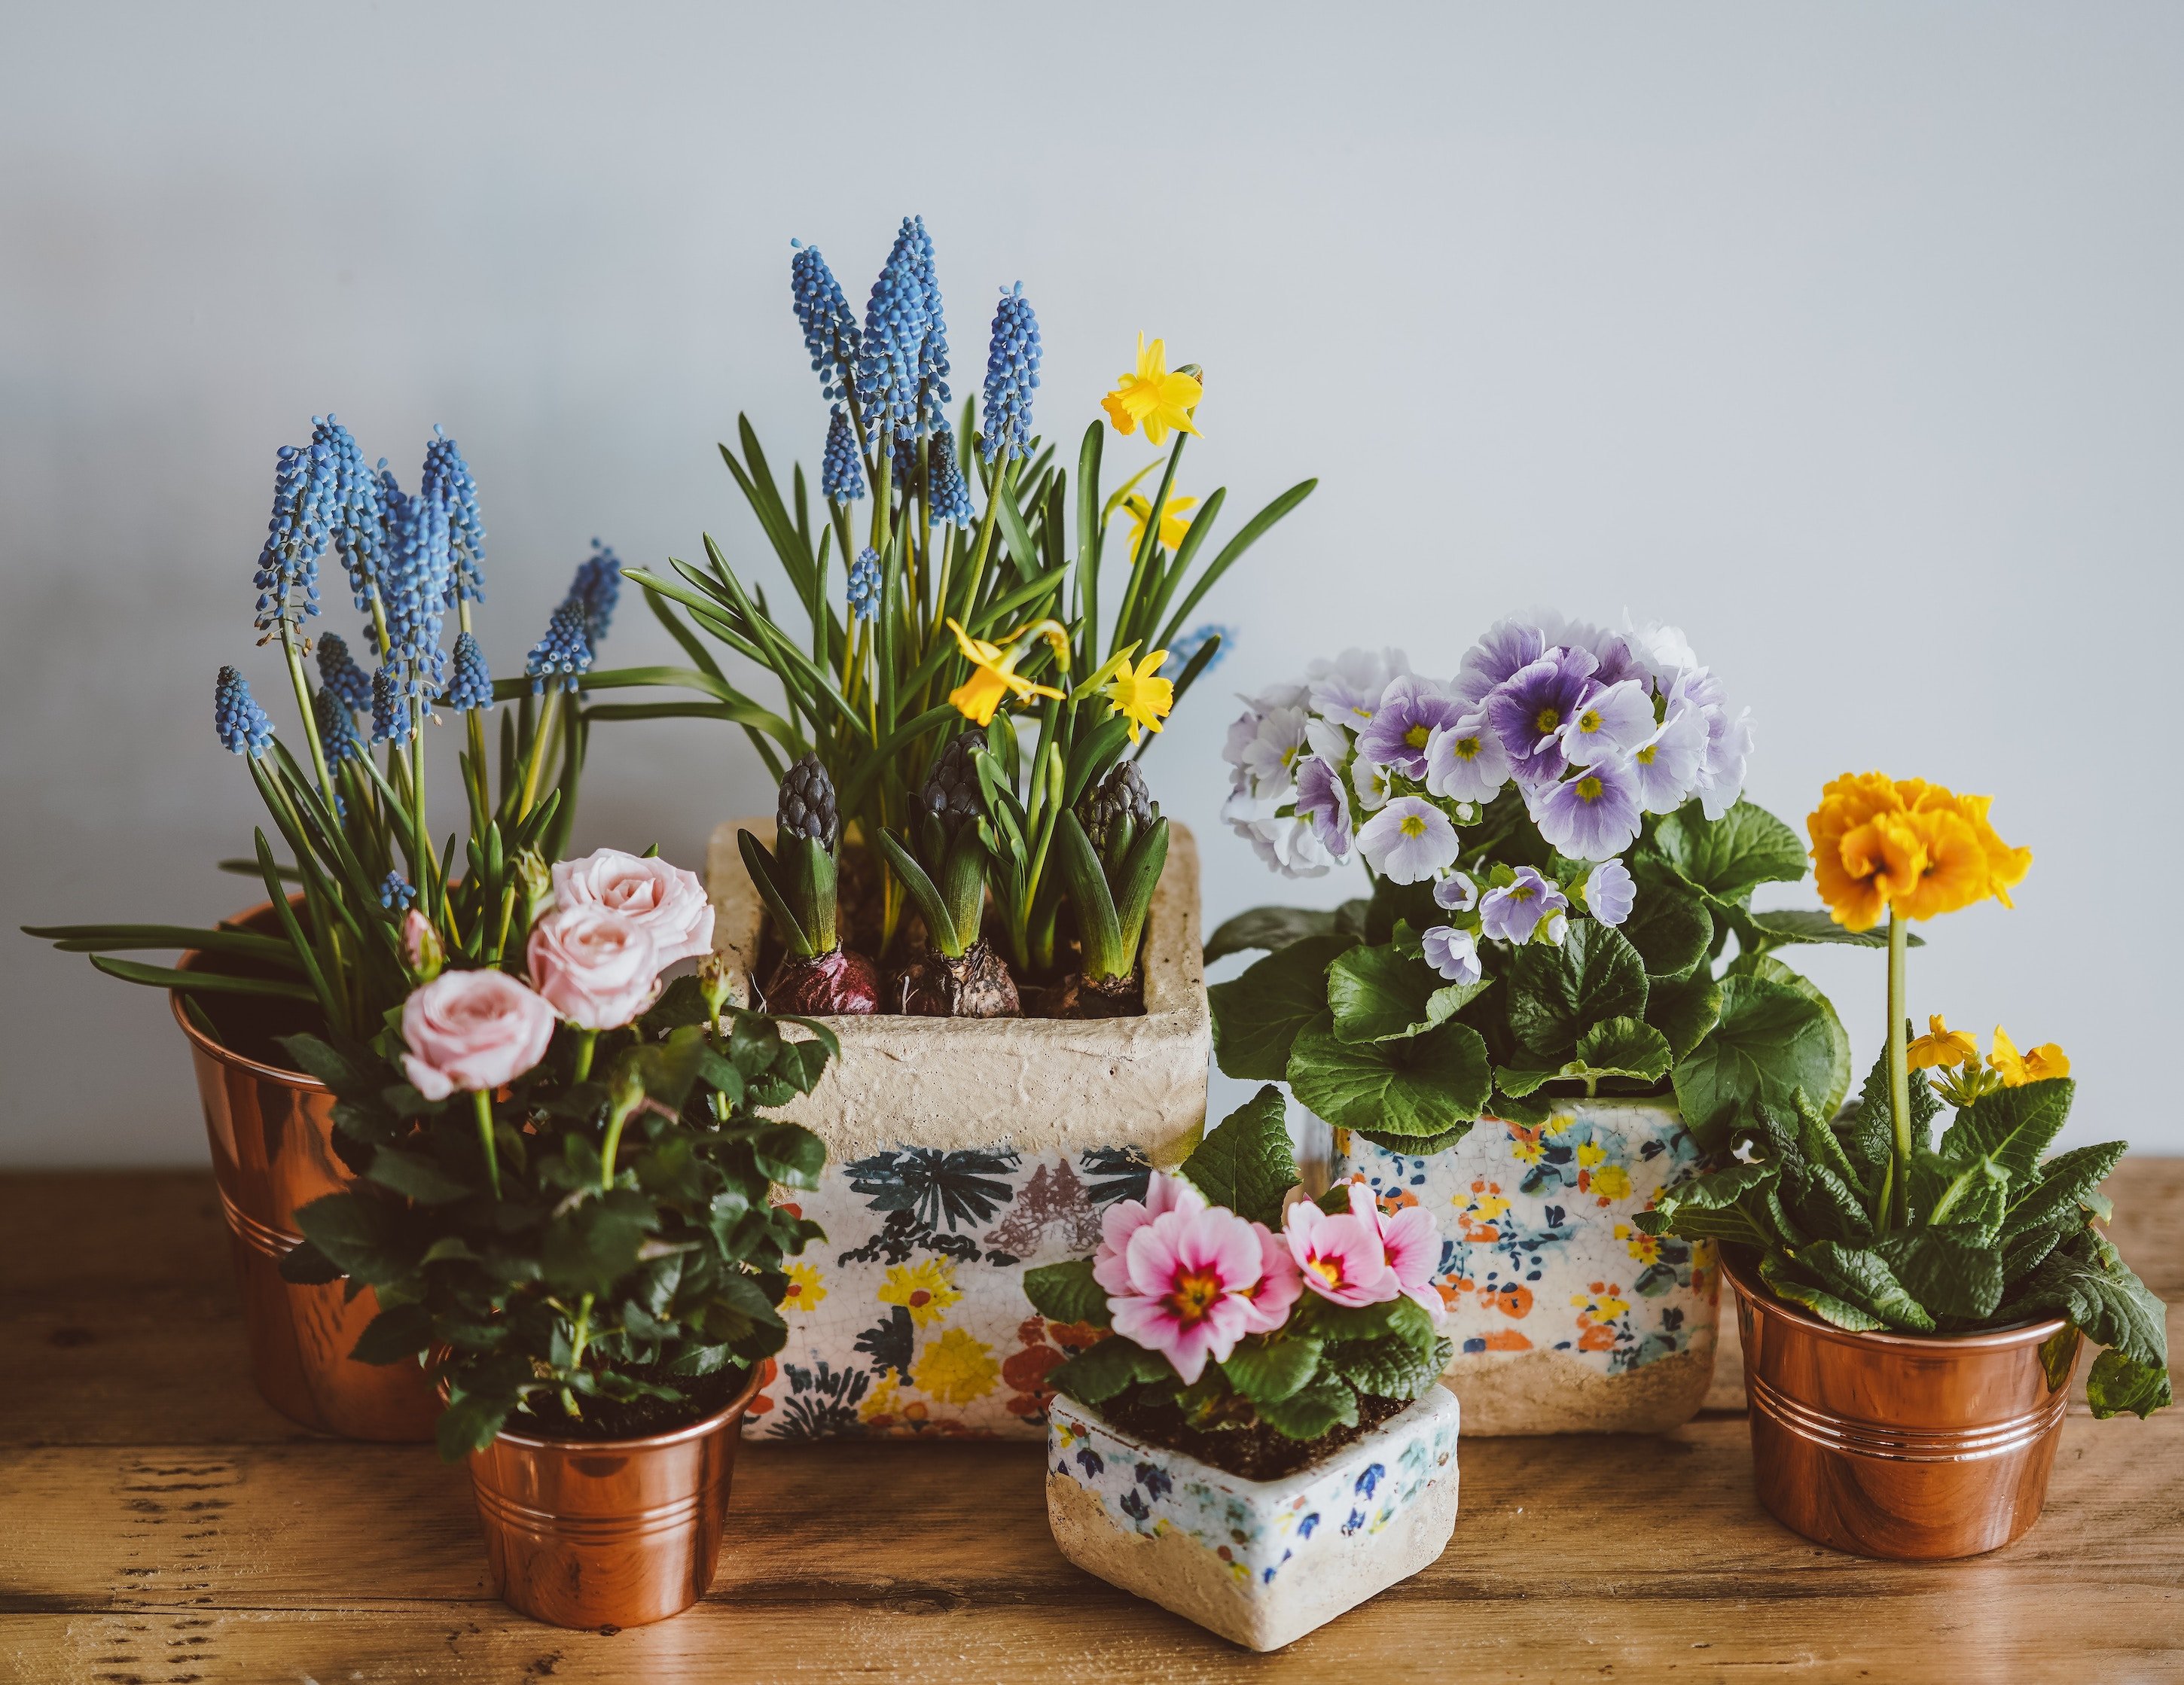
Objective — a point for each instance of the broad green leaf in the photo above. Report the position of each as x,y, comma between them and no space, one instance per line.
2011,1125
1715,1206
1831,1100
1377,994
1104,1369
1557,993
1684,1009
2108,1302
1730,856
1422,1087
396,1335
1870,1140
1416,1146
1670,928
1246,1162
1257,1016
362,1236
1814,924
1821,1303
1518,1080
1947,1271
415,1177
1066,1292
1862,1277
2117,1383
2067,1182
1622,1047
1267,1370
1974,1198
469,1423
1306,1414
1771,1041
1390,1367
1268,927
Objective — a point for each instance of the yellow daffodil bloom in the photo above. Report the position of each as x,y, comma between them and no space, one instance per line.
2034,1064
1884,846
1173,527
1153,397
1942,1046
994,675
1141,697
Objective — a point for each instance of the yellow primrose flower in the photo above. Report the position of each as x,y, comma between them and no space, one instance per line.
2034,1064
1153,396
1140,696
925,1289
804,1290
1942,1046
994,676
956,1369
1175,528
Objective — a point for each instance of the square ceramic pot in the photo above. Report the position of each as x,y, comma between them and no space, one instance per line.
1259,1562
961,1153
1565,1318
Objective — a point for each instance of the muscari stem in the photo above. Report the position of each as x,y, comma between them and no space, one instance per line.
289,647
1899,1073
483,1102
536,758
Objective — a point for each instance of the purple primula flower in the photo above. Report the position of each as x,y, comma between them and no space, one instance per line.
1662,651
1610,892
1409,712
1514,911
1529,709
1456,893
1553,928
1466,761
1590,816
1508,647
1285,843
1614,721
1619,658
1266,760
1452,953
1408,841
1668,767
1729,746
1322,798
1347,689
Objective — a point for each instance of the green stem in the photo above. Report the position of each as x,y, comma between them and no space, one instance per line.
587,1040
536,758
1899,1073
576,1344
483,1102
289,647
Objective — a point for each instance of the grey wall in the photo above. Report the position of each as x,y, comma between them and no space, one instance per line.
1845,335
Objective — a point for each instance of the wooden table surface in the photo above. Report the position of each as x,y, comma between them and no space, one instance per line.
160,1523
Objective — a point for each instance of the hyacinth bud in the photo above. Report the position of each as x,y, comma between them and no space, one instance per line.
1116,811
422,950
950,793
807,807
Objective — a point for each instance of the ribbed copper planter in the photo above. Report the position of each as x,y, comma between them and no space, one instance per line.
272,1151
607,1533
1910,1446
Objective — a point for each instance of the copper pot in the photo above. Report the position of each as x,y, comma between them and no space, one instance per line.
272,1151
1911,1447
607,1533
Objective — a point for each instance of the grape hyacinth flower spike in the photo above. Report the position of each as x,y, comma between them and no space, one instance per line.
471,687
360,517
841,471
932,348
340,675
950,500
830,330
896,320
1012,377
565,652
336,727
447,481
395,892
598,587
390,709
241,723
296,536
864,584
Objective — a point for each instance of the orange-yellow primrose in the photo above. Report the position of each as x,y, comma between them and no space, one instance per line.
2034,1064
1942,1046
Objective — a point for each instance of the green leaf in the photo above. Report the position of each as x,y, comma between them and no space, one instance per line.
1730,856
307,1266
2117,1383
1976,1197
1670,928
1104,1369
416,1178
1822,1303
1947,1271
1684,1009
1417,1146
1390,1367
1771,1041
1269,927
1066,1292
1267,1371
1326,1403
1829,1101
1256,1017
1377,994
1558,992
1813,924
361,1235
1862,1276
1716,1206
2011,1125
396,1335
2107,1300
1517,1081
588,1249
1622,1047
1422,1087
1246,1162
2067,1185
788,1153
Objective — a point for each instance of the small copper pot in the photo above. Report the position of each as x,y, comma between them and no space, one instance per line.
1914,1447
607,1533
272,1152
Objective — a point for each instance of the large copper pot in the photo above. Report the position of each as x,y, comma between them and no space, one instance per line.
1910,1446
608,1533
272,1152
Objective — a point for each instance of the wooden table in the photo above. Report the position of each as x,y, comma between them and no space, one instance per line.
161,1524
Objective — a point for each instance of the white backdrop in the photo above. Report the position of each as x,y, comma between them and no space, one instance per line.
1845,336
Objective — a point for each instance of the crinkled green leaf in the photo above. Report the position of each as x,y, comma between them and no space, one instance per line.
1389,1367
1771,1041
1105,1368
1829,1099
2117,1383
1823,1305
2105,1299
1257,1016
1622,1047
1669,927
2011,1125
1246,1163
1817,925
1558,992
1306,1414
1267,1371
1730,856
1066,1292
1418,1088
1715,1206
1862,1277
1684,1009
1376,994
1272,928
1950,1271
2069,1183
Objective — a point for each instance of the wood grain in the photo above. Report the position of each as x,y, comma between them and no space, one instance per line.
164,1526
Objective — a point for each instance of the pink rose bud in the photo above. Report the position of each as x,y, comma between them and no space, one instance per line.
669,902
421,951
594,966
472,1030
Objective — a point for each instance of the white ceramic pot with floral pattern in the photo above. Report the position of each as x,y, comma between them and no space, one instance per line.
961,1153
1259,1562
1566,1319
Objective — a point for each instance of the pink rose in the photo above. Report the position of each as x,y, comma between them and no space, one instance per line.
595,967
472,1030
669,902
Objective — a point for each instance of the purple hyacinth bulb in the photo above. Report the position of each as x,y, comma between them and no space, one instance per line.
1466,762
1322,797
1452,953
1411,709
1509,646
1408,841
1616,720
1512,911
1610,893
1590,815
1529,709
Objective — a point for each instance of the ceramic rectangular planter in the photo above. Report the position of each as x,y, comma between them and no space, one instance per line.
1565,1318
1259,1562
961,1153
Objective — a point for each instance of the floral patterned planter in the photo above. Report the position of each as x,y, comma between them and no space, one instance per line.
1259,1562
1566,1319
961,1153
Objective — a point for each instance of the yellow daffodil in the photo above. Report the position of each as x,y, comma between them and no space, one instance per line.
994,675
1173,527
2034,1064
1137,695
1942,1046
1153,397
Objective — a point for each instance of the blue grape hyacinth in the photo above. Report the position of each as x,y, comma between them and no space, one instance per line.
932,348
241,723
598,587
339,674
842,472
448,482
830,330
337,726
414,585
950,500
557,658
1012,377
304,488
360,523
865,584
395,892
1184,648
895,321
471,687
390,707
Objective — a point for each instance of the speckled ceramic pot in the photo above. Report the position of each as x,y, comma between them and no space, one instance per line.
1259,1562
1566,1319
961,1153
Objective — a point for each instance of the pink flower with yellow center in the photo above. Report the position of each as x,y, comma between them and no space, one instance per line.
1191,1275
1339,1258
1110,1265
1410,1246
